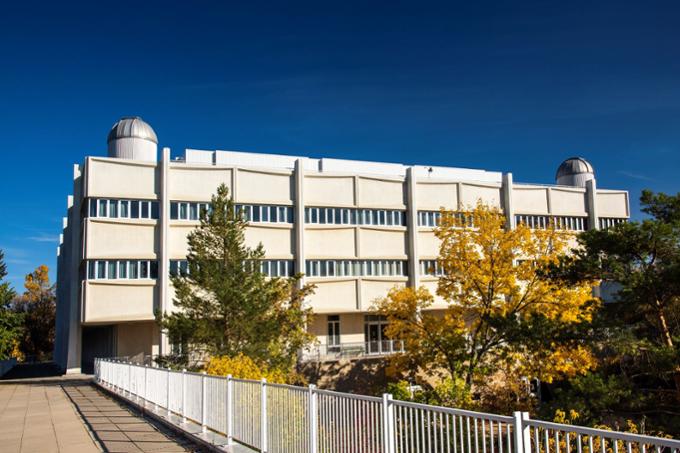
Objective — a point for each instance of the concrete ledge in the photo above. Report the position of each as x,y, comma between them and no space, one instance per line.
190,430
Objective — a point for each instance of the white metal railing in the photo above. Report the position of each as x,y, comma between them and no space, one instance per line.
282,418
325,352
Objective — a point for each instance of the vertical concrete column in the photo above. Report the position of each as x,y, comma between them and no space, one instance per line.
299,210
163,254
77,253
412,229
508,208
591,200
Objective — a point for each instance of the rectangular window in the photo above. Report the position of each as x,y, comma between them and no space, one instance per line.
247,213
333,331
101,269
289,214
145,209
113,209
122,269
154,209
193,211
134,269
124,209
91,270
93,207
134,209
174,212
183,211
282,214
103,211
143,269
264,211
256,213
174,268
153,269
315,215
112,274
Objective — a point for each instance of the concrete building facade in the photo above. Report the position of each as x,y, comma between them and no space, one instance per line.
354,228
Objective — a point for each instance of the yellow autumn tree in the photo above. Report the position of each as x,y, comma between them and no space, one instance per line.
501,315
38,306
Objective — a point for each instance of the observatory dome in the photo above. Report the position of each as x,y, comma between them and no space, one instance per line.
575,171
133,138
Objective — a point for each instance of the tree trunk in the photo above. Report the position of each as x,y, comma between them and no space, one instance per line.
668,340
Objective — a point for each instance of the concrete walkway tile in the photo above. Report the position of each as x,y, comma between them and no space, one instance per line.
120,447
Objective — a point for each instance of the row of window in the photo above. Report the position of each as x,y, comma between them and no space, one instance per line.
352,216
122,269
355,268
546,221
271,268
431,267
181,210
122,209
433,218
608,222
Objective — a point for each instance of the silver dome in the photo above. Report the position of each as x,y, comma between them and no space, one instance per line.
132,127
574,171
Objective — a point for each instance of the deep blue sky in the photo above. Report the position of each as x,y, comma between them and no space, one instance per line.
513,86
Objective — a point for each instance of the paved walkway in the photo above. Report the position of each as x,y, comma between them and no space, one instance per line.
38,417
71,415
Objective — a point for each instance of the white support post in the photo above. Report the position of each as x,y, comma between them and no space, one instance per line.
184,395
204,400
230,410
389,445
312,411
263,415
129,387
144,395
520,435
167,389
526,433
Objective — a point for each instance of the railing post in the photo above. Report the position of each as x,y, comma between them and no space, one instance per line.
312,411
522,437
167,389
129,380
184,395
389,444
526,433
263,415
204,399
144,395
230,410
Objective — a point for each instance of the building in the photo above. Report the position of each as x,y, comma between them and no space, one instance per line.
354,228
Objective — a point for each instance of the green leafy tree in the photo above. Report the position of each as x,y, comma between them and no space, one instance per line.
226,305
10,321
638,335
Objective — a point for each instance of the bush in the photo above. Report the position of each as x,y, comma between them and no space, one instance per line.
243,367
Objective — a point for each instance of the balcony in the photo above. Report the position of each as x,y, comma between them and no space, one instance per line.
350,351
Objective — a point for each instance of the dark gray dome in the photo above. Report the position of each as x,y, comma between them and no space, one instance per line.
132,127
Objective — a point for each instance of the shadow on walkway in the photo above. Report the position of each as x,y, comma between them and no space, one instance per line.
119,428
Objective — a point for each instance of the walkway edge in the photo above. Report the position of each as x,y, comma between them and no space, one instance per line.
149,412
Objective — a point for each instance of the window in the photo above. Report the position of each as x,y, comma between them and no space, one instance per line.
123,209
608,222
431,267
134,209
346,216
355,268
121,269
571,223
333,332
374,335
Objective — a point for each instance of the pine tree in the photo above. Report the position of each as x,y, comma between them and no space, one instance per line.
10,321
226,305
